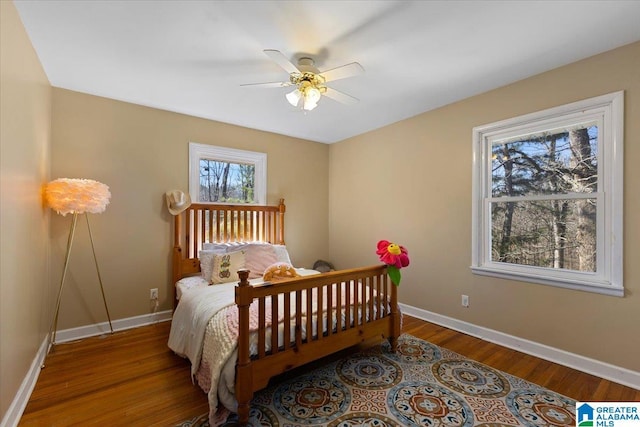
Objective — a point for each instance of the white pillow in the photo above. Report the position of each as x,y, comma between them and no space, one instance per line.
259,256
215,247
226,266
282,254
187,283
206,261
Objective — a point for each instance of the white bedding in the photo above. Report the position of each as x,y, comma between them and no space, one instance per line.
194,311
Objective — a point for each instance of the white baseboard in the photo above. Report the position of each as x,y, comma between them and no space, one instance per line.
14,413
73,334
604,370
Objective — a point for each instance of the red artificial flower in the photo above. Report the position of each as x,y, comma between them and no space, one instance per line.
392,254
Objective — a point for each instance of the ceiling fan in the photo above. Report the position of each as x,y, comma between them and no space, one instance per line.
310,84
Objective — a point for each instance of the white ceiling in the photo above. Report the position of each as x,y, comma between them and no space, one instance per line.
192,56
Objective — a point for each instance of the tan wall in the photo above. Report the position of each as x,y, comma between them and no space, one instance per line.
413,181
25,130
141,153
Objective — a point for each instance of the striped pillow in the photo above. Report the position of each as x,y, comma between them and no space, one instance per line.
258,258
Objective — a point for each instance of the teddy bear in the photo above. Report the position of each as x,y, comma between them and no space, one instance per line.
279,271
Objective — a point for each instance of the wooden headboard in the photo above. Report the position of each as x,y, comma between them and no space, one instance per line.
222,223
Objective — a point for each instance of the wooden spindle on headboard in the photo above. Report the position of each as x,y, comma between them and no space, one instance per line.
281,210
177,250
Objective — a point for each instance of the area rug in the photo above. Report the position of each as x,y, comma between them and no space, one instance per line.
419,385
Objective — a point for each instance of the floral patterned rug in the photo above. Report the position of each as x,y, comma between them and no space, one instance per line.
419,385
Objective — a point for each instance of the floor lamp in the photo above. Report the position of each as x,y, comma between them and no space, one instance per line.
77,197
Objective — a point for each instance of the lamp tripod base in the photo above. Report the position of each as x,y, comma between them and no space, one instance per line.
54,324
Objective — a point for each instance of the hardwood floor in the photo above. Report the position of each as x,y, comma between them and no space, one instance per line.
569,382
131,378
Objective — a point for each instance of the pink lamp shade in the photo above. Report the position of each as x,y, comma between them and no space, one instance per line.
66,195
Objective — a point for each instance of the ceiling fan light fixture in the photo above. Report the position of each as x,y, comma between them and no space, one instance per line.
294,97
311,97
305,95
312,94
308,106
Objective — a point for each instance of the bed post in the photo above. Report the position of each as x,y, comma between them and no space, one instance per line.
244,377
281,209
395,318
176,257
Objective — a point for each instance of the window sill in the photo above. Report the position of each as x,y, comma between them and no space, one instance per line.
593,286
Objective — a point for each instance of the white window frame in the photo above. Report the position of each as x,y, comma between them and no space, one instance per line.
608,277
232,155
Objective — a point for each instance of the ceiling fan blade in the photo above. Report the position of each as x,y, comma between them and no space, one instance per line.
342,97
281,60
342,72
270,84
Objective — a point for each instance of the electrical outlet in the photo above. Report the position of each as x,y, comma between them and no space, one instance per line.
153,294
465,300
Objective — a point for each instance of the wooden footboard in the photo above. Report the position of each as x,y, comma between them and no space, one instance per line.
346,307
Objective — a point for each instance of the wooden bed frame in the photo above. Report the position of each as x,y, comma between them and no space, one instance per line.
370,312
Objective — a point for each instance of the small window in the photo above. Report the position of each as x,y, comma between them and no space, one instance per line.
227,175
547,197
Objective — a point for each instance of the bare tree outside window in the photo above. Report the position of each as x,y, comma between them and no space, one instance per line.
556,175
226,182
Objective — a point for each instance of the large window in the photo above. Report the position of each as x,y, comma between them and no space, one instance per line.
226,175
547,196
